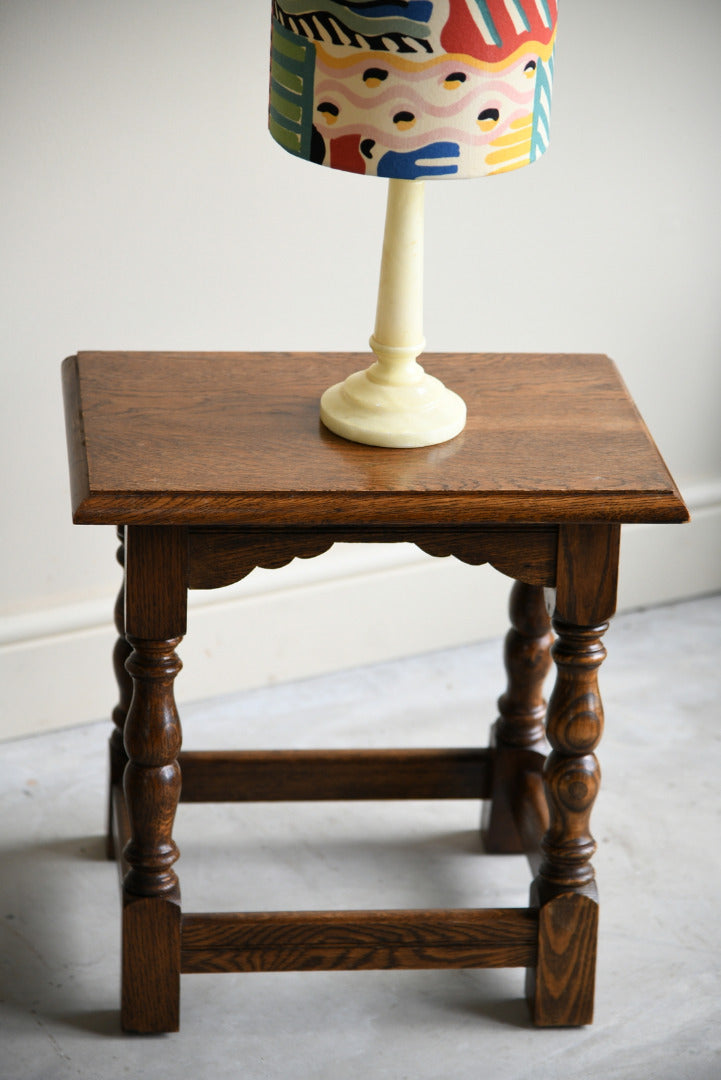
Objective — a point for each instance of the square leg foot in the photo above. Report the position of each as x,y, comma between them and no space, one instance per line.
151,965
560,989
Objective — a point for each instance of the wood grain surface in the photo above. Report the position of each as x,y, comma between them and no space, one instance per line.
317,775
173,438
221,555
359,940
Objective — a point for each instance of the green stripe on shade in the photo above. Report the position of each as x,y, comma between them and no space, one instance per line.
287,43
298,67
287,79
289,140
280,106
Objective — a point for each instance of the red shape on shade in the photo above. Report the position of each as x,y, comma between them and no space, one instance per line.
345,154
461,33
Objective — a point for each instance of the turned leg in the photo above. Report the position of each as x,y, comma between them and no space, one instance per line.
121,652
522,711
151,901
561,986
155,619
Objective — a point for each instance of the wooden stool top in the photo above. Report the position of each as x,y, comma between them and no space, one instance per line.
235,438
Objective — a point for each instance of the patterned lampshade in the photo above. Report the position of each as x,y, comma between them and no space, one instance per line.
413,89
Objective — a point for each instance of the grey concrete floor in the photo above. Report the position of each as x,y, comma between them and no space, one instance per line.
658,1012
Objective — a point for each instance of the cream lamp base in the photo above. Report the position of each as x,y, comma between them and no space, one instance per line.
420,411
394,402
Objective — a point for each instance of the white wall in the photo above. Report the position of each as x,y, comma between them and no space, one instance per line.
144,206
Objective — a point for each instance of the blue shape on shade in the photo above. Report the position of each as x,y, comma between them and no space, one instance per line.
547,11
521,14
418,10
405,165
493,29
541,115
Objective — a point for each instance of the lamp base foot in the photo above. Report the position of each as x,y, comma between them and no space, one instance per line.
421,412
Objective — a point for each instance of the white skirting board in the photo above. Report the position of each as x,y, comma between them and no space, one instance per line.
357,605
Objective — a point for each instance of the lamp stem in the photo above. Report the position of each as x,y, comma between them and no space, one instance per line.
398,335
395,402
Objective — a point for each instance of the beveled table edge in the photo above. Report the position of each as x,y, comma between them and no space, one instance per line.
657,506
299,509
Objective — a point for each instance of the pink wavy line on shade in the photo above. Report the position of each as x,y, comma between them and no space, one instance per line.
390,141
405,95
439,72
450,62
362,126
399,100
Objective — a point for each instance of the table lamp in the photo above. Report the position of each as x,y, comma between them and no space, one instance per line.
409,90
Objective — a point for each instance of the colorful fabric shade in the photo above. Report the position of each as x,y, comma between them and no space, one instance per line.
413,89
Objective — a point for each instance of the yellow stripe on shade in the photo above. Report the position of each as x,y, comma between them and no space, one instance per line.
514,139
533,49
520,152
508,168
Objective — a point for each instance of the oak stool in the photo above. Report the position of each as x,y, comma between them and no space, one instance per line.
213,464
